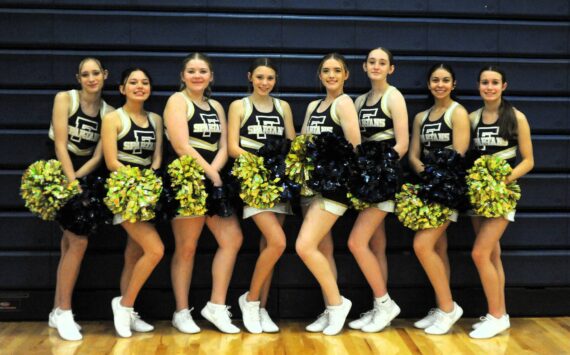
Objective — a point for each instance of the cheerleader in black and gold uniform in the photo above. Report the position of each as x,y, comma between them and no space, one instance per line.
133,136
253,121
334,114
196,127
444,125
75,129
498,130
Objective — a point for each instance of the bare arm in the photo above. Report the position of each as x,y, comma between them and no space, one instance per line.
157,155
288,120
222,155
348,120
235,115
525,147
109,132
307,115
59,121
397,106
415,147
175,120
461,130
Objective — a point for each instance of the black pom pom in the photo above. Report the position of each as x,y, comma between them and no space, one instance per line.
167,205
334,160
218,202
377,174
274,152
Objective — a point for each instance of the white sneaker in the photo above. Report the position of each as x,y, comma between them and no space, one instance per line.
65,325
121,318
267,324
337,317
250,314
427,320
320,323
52,323
383,315
219,315
364,319
484,318
444,321
139,325
490,327
182,320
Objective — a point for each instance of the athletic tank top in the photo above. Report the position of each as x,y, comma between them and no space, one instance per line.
83,131
135,144
487,139
375,121
326,121
437,134
257,127
204,130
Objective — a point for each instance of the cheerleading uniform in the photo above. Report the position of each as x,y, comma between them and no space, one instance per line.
83,131
376,124
488,141
438,134
321,122
257,127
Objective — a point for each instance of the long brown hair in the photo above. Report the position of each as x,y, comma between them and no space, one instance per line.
507,121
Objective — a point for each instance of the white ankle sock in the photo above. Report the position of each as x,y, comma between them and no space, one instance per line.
382,299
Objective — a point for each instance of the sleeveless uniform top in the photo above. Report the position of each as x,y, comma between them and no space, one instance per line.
326,121
375,121
487,139
83,131
135,144
204,130
438,133
257,127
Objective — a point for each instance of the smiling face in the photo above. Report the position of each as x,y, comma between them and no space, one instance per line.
263,80
333,74
91,76
136,86
377,65
441,83
491,85
197,75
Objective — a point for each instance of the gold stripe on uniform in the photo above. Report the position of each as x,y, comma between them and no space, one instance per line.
200,144
506,154
382,136
78,151
249,143
134,159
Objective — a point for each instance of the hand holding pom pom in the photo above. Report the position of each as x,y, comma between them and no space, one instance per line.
298,166
415,213
187,180
258,189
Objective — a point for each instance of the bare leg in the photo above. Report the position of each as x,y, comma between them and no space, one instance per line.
378,247
133,252
490,232
441,250
267,284
367,222
145,235
64,246
315,227
186,234
229,237
69,266
424,247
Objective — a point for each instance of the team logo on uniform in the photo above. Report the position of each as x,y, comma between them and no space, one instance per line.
84,129
489,136
368,119
430,133
316,125
266,125
144,140
210,124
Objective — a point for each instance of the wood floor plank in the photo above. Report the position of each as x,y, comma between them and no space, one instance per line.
526,336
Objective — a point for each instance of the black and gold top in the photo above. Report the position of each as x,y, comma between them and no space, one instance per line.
487,139
326,121
438,133
375,121
135,144
257,126
83,131
204,130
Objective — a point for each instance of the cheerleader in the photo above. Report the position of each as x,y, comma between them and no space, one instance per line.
75,129
252,121
444,125
336,114
382,116
196,126
133,136
498,129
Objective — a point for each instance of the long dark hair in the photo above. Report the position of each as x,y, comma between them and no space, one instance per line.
507,120
125,76
430,100
198,56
